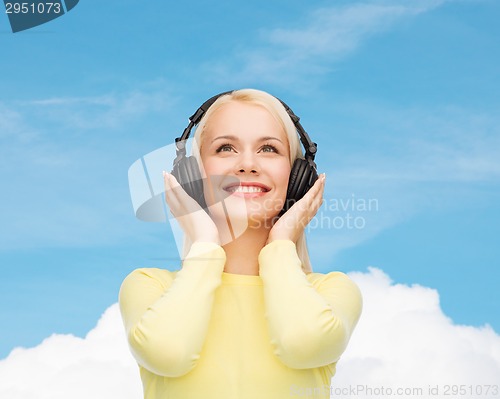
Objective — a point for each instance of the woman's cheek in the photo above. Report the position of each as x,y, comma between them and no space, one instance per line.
215,166
207,166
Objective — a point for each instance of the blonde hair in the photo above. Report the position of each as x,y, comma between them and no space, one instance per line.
278,111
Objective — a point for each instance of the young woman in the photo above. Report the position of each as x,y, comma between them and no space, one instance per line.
245,317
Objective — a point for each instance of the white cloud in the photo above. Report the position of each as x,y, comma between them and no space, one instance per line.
329,34
403,340
64,366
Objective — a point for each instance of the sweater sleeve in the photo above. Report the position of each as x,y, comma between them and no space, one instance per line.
309,324
166,318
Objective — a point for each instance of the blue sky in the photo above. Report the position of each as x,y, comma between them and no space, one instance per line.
401,97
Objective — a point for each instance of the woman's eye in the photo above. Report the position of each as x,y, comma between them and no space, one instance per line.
224,148
269,148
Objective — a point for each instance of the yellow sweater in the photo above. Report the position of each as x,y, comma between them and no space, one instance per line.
201,333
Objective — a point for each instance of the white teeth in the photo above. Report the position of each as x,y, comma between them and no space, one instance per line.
245,189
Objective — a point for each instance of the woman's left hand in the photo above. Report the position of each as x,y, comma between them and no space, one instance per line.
293,222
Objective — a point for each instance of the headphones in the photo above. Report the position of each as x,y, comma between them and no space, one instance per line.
187,172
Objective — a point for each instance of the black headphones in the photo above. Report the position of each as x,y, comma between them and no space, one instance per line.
187,172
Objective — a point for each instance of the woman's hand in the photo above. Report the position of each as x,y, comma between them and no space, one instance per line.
293,222
195,222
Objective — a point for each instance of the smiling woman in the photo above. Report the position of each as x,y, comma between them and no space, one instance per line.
256,153
245,316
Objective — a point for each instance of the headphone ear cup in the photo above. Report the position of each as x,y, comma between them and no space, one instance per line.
302,178
295,176
187,173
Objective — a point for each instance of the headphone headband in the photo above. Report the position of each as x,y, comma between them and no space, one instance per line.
310,147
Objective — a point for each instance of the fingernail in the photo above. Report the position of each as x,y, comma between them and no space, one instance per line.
323,176
164,174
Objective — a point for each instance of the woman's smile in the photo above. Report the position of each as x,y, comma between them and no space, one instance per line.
247,189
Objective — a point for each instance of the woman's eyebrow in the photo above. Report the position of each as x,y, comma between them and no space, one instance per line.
266,138
228,137
234,138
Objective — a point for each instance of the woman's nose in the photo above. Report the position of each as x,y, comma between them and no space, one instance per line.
247,164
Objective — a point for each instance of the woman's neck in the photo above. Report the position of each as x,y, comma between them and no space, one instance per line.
242,253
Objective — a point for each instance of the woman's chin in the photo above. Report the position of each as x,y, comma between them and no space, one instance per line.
236,222
235,215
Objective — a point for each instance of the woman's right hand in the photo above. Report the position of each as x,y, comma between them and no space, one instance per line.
196,223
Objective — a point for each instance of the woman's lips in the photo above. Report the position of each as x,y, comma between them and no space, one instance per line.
247,189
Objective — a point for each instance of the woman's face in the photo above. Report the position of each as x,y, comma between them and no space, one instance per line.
246,157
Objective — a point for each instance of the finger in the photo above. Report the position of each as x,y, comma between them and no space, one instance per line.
175,196
179,201
314,200
315,192
175,190
316,188
173,181
318,198
170,199
320,182
319,186
169,192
